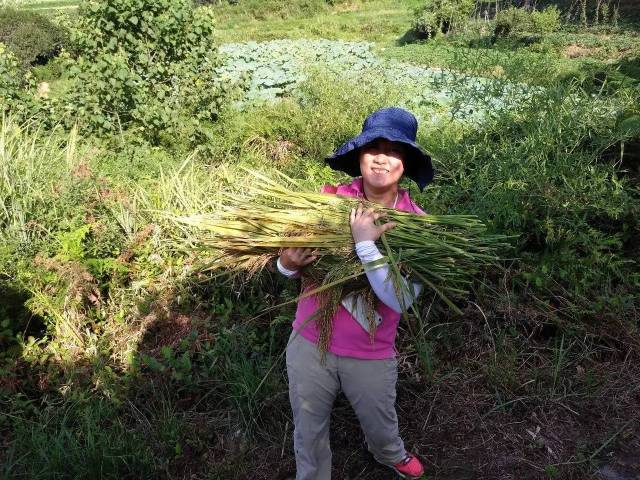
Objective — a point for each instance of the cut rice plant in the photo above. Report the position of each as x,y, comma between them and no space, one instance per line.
442,252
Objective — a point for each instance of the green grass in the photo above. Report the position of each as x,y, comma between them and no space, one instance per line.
381,21
388,25
163,384
76,441
46,6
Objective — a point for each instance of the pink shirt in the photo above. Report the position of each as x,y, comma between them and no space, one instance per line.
348,338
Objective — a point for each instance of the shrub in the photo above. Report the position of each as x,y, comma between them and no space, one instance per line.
518,21
441,16
574,212
546,21
512,21
33,38
146,65
15,86
10,81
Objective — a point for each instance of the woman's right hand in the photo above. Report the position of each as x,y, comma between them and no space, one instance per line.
294,258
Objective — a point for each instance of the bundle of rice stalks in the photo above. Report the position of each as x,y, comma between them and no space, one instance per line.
443,252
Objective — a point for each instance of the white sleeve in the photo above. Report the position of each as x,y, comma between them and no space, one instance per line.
285,271
378,276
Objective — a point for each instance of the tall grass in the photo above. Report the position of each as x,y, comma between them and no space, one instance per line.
76,441
33,165
547,169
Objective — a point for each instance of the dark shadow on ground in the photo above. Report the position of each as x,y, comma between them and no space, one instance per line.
410,36
16,318
470,420
630,67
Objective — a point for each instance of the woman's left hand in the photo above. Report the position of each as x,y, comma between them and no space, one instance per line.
363,226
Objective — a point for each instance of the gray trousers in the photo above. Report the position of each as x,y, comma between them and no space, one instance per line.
370,387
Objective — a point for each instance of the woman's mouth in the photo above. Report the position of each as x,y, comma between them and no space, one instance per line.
379,171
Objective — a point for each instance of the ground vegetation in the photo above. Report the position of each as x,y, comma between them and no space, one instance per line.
121,358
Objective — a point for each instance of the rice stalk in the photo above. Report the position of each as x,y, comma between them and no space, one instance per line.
443,252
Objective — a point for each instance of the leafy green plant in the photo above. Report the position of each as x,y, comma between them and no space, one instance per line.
516,22
546,21
442,16
11,82
33,38
17,88
145,65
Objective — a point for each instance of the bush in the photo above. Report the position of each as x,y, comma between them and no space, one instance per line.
546,21
33,38
518,21
10,81
145,65
15,86
574,212
442,16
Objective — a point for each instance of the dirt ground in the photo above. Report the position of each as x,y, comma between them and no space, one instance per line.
460,435
465,424
528,405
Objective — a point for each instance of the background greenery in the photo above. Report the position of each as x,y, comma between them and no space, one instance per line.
118,359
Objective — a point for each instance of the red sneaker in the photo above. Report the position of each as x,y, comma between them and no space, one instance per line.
410,467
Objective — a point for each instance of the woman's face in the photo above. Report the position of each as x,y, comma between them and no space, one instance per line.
381,163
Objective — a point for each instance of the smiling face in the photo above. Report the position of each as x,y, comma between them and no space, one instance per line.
381,164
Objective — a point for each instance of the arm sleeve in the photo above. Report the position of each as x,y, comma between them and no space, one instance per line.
285,271
378,279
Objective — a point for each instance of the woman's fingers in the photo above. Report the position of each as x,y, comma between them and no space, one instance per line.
303,252
364,224
387,226
360,211
297,257
308,260
307,254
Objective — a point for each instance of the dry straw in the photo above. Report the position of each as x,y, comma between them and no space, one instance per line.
443,252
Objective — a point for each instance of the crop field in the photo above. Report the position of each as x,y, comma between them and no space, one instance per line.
134,345
45,6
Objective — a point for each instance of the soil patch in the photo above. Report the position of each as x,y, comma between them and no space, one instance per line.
578,51
464,424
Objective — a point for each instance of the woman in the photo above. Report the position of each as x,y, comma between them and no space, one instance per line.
365,370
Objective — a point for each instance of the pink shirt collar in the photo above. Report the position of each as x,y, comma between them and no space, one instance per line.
356,189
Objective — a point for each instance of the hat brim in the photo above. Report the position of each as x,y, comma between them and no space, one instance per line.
417,164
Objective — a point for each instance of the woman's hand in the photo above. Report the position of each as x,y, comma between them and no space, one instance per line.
294,258
363,226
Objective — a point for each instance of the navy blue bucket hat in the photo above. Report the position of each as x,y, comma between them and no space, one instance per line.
393,124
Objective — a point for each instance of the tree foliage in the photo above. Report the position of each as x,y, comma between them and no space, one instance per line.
145,64
16,86
442,16
519,21
33,38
